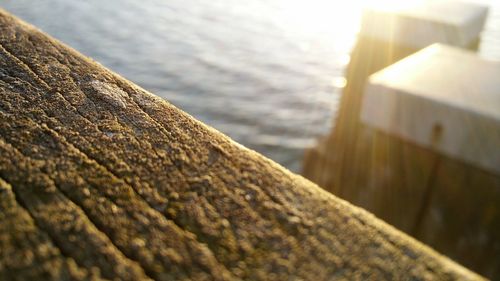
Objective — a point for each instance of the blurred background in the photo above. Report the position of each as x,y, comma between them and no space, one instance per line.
268,73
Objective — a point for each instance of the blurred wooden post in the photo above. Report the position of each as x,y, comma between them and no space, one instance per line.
440,87
454,92
343,161
387,175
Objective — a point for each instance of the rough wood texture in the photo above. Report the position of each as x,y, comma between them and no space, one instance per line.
100,179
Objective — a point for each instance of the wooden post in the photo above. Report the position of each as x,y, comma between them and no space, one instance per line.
101,179
340,163
345,162
387,175
447,101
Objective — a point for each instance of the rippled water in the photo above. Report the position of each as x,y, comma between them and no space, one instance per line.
265,72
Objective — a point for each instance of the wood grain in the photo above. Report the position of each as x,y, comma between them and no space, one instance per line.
111,181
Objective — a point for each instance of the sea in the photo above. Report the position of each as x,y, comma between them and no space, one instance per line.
268,73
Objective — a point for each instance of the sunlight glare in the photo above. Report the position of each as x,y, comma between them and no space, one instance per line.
339,82
328,17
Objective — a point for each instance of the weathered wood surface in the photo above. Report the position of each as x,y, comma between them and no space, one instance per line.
100,179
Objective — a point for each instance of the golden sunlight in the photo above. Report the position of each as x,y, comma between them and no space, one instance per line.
334,17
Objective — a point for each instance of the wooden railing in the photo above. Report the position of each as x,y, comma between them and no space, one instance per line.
99,178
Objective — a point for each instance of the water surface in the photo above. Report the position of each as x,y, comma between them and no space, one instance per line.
266,72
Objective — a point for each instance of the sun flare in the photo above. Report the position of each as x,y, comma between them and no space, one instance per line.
332,17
